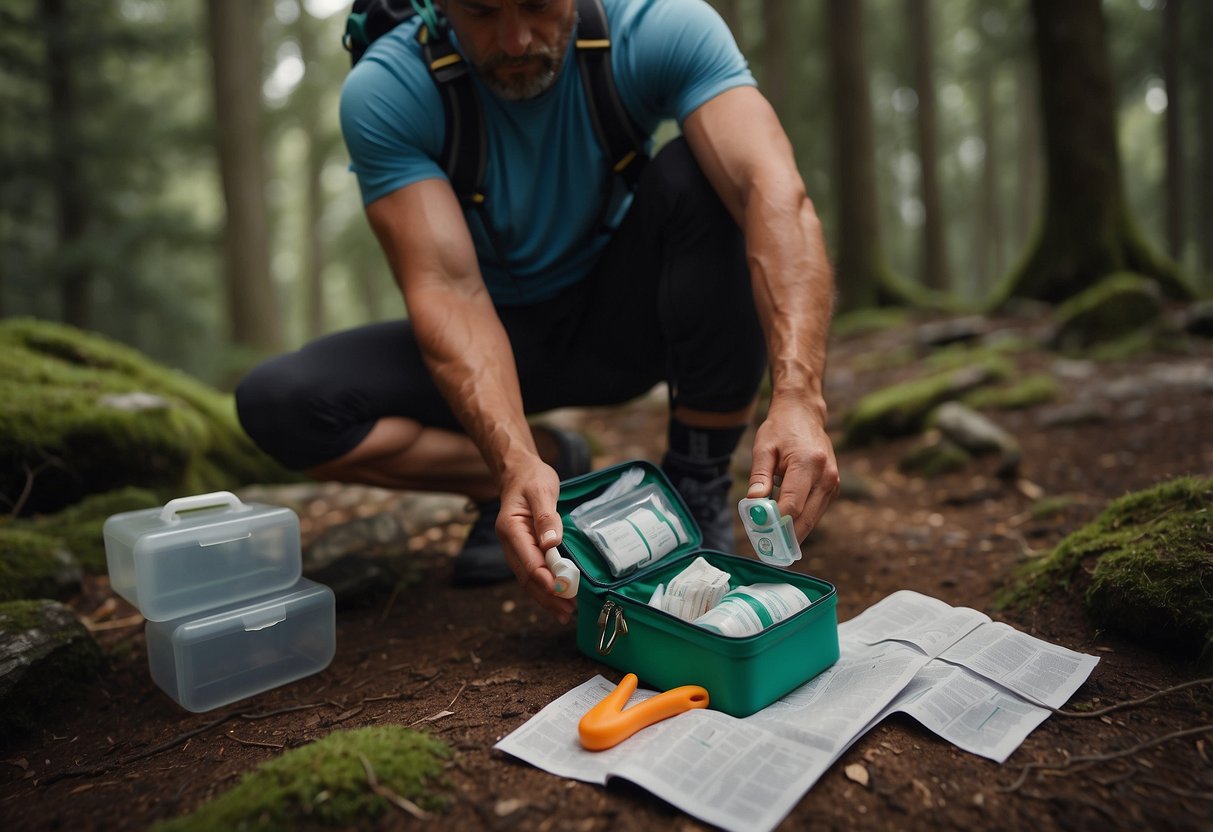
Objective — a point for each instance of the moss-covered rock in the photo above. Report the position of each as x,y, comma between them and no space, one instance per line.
45,656
934,457
34,565
872,319
904,408
326,784
1143,567
80,414
1038,388
1112,309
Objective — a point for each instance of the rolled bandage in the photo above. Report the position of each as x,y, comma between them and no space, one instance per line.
566,573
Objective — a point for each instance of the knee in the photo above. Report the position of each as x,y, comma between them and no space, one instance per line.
270,399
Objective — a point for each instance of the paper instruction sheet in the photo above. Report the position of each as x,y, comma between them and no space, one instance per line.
974,682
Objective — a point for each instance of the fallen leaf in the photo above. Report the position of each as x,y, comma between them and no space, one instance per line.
857,773
432,717
508,807
922,789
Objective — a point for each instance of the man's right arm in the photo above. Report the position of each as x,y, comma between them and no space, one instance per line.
425,236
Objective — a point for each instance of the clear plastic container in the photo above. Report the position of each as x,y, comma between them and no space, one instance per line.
212,659
200,552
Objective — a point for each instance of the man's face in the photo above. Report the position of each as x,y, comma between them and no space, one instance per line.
516,46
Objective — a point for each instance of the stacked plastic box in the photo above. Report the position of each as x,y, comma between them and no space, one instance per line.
219,582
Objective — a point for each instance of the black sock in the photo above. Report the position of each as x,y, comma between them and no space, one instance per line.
701,450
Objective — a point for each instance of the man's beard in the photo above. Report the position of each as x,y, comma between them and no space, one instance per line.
547,62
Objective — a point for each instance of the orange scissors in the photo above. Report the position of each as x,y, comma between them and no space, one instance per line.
608,723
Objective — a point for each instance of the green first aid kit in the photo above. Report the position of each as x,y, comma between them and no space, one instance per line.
617,625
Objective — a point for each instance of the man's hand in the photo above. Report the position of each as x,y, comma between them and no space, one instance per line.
528,526
792,444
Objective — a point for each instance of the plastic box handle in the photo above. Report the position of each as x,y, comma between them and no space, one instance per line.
216,498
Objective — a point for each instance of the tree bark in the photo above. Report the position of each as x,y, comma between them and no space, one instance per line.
1087,232
934,262
1173,79
310,93
73,273
730,10
775,53
989,235
235,45
860,266
1027,151
1204,120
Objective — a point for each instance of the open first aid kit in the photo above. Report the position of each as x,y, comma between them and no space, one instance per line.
219,582
631,536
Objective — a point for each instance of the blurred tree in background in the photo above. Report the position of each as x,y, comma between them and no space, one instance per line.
112,197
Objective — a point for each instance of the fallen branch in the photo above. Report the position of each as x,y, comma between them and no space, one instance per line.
1075,764
279,745
91,771
400,802
1130,703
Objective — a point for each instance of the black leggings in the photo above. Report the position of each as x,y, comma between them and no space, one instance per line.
670,300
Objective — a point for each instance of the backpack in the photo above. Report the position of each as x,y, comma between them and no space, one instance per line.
463,153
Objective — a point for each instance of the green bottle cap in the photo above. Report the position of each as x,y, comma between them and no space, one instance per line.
759,515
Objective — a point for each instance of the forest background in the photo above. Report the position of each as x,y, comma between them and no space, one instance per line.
172,174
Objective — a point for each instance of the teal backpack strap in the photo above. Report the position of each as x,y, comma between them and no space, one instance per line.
621,140
463,149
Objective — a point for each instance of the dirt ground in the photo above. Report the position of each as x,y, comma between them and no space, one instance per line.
124,755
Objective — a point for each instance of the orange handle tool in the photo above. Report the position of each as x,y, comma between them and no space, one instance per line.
607,724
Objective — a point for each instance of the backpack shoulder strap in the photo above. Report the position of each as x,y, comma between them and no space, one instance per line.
621,140
463,149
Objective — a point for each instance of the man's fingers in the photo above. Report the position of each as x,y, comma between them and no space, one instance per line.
762,473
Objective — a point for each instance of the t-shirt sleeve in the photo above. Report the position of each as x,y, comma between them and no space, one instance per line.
390,132
677,55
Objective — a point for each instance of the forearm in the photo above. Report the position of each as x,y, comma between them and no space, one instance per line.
793,287
746,155
471,361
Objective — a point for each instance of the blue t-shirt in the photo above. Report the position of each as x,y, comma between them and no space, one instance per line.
547,180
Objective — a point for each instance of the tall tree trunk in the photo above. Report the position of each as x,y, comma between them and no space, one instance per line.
860,264
73,273
1172,73
730,10
1204,119
235,44
989,235
1028,136
1087,231
309,95
775,53
934,263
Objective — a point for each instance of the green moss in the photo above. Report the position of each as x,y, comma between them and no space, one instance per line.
34,565
904,408
60,433
954,356
935,458
325,784
863,321
29,545
892,359
1118,305
1039,388
1143,567
1047,507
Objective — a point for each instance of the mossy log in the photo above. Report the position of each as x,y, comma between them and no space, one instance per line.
80,414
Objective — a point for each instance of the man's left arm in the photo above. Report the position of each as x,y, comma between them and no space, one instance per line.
745,153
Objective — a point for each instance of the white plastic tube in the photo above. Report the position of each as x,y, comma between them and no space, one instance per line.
566,573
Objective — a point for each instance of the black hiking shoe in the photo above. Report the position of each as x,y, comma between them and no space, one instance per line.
705,490
482,559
